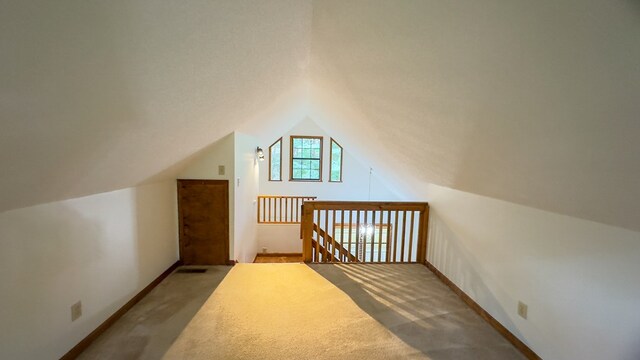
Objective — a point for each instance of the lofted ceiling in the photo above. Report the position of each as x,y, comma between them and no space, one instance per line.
101,95
536,103
530,102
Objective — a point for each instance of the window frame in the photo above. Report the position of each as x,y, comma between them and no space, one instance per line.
291,138
272,145
331,159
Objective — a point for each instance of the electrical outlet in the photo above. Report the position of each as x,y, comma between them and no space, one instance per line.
264,250
522,309
76,311
220,169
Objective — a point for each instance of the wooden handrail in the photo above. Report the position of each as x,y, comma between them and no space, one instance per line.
285,197
280,209
384,231
368,205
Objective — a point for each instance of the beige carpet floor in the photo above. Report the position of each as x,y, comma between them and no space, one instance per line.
284,311
147,331
416,306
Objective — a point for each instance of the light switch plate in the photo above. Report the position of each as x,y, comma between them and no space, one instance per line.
522,309
76,311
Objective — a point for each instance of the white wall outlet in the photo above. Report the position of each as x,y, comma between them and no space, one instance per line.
76,311
264,250
522,309
220,169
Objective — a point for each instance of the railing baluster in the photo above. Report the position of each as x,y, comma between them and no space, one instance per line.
326,242
387,255
404,227
366,235
333,237
373,235
317,221
395,239
345,258
379,236
411,237
350,226
358,255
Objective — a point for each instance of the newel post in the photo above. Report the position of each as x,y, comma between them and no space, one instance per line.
423,231
307,232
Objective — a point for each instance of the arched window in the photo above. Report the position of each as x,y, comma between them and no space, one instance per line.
335,162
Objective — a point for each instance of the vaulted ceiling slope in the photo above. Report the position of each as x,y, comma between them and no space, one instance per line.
536,103
530,102
101,95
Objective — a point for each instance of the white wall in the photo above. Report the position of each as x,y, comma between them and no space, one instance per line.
236,152
579,278
246,193
354,185
205,164
101,250
355,173
279,238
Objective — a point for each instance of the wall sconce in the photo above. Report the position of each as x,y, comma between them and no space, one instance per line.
260,153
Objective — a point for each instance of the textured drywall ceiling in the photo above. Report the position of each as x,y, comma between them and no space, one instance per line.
530,102
535,103
101,95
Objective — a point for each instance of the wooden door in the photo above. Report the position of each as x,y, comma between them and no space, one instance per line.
203,212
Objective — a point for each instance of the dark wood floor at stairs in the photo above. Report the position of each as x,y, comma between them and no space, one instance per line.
278,258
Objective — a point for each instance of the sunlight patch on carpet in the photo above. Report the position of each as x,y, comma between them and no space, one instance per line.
284,311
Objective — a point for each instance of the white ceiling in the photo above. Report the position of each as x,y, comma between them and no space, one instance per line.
101,95
531,102
536,103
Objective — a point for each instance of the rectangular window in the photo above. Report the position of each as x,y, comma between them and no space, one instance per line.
275,161
368,241
335,162
306,158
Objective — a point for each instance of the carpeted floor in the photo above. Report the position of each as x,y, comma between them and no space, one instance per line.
296,311
416,306
152,325
284,311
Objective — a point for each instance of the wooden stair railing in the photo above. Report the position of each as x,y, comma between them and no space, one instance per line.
382,232
335,245
316,244
279,209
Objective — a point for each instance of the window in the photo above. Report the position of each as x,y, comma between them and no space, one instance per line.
275,161
306,158
369,242
335,162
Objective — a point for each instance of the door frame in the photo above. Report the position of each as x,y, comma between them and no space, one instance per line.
180,224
